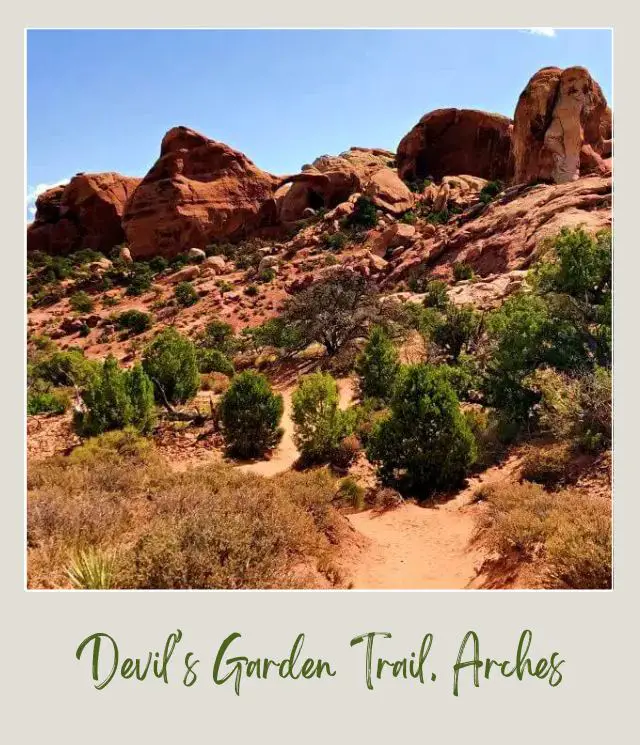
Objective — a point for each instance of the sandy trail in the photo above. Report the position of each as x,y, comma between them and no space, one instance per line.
286,453
415,547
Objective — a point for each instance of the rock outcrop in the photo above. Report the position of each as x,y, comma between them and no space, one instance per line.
199,191
86,213
562,127
447,142
331,180
506,234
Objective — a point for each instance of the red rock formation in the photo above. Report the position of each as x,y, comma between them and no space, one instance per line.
86,213
449,142
562,127
506,234
199,191
331,180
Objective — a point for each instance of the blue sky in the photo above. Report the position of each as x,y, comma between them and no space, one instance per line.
102,100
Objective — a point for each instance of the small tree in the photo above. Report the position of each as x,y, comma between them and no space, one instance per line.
250,415
425,443
364,214
459,327
140,390
81,302
135,321
437,295
185,294
107,401
218,335
320,425
334,310
170,361
212,360
378,366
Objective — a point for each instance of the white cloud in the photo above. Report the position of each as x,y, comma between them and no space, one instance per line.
549,32
33,192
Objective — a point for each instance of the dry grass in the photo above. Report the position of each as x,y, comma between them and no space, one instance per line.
567,531
211,527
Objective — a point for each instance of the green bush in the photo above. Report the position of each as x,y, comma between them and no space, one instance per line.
490,191
251,290
68,368
459,327
139,279
135,321
319,423
267,275
170,361
185,294
364,215
218,335
462,270
335,241
275,332
250,415
81,302
115,399
213,360
409,217
47,402
351,492
158,264
437,295
378,366
425,443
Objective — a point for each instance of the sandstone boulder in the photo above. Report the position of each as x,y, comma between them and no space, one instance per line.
186,274
198,191
395,236
196,254
215,264
452,141
84,214
562,127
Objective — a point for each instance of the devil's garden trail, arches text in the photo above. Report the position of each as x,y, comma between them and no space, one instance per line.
229,666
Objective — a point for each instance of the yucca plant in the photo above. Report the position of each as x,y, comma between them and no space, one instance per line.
92,569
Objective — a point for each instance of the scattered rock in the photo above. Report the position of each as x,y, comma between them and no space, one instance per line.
196,254
185,275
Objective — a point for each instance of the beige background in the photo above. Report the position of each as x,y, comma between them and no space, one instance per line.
48,696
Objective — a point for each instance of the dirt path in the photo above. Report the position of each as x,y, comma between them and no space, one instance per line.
286,453
415,547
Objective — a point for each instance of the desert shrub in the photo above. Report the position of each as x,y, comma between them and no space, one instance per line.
158,264
378,366
425,442
524,334
364,215
462,270
139,279
516,518
409,217
213,360
365,416
275,332
457,330
251,290
65,368
550,466
437,295
575,409
333,311
214,382
218,335
319,423
140,390
463,375
185,294
438,218
569,532
577,264
106,400
334,241
224,286
135,321
490,191
80,302
170,361
578,549
114,399
250,414
486,428
47,402
351,492
211,527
